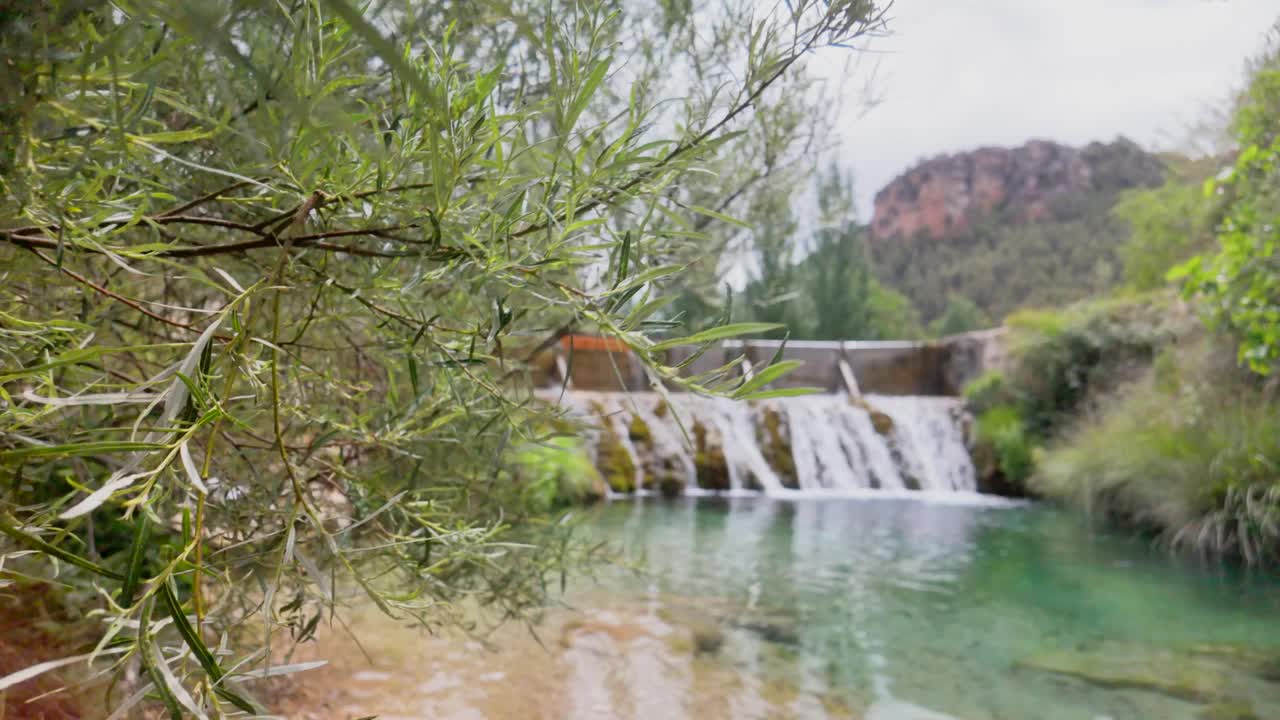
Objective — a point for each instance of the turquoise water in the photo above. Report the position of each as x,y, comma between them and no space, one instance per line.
907,609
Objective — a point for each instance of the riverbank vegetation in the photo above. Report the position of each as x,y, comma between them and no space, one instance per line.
1155,409
271,275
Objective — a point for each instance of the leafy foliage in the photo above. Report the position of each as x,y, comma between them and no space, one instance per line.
1166,226
1062,366
1004,428
559,472
271,275
1241,282
960,315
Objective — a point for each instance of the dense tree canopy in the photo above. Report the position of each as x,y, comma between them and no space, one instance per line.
271,273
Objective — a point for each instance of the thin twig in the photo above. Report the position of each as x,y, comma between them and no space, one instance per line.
115,296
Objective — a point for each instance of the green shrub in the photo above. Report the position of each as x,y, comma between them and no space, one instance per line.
1062,360
558,473
1062,363
1004,430
986,391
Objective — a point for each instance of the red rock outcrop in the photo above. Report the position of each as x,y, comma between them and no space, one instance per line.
945,194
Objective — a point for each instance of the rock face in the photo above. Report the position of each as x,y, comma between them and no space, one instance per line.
946,194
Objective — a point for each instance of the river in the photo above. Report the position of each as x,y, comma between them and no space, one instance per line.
881,608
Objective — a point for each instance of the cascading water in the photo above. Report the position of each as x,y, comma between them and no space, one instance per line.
816,444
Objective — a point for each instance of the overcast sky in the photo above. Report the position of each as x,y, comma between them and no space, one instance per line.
956,74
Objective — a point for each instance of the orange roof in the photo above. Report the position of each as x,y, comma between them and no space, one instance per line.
593,342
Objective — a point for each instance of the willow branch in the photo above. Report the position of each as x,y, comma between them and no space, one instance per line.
113,295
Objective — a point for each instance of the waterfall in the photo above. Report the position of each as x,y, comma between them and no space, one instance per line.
647,443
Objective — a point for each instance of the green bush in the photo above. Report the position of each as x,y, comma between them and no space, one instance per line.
1167,224
1061,364
1063,360
961,315
986,391
557,473
1004,430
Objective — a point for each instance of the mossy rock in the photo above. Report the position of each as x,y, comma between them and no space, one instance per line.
558,472
709,462
614,461
704,629
880,420
661,473
775,445
670,484
1235,710
639,433
660,410
771,628
713,470
1135,667
1260,663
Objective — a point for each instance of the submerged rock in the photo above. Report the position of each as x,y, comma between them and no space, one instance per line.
1229,711
704,629
1136,667
1261,663
771,628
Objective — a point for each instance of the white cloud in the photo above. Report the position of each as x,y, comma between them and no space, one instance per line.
957,74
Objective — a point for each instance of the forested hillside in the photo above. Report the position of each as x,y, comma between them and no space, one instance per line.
960,241
1008,228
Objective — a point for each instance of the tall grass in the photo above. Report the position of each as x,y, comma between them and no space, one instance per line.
1191,451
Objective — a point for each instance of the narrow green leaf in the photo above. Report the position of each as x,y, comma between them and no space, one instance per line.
380,45
624,259
780,393
141,535
647,276
717,333
642,312
150,665
95,447
35,543
719,216
200,650
766,376
585,93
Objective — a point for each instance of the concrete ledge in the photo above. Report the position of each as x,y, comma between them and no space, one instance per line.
894,367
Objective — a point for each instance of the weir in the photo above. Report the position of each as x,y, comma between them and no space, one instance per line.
888,418
894,367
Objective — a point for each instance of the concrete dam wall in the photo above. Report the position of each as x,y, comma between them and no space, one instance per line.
937,368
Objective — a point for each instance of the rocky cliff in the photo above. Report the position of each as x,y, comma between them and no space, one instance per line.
944,195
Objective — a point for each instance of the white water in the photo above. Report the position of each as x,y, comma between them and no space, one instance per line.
833,442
